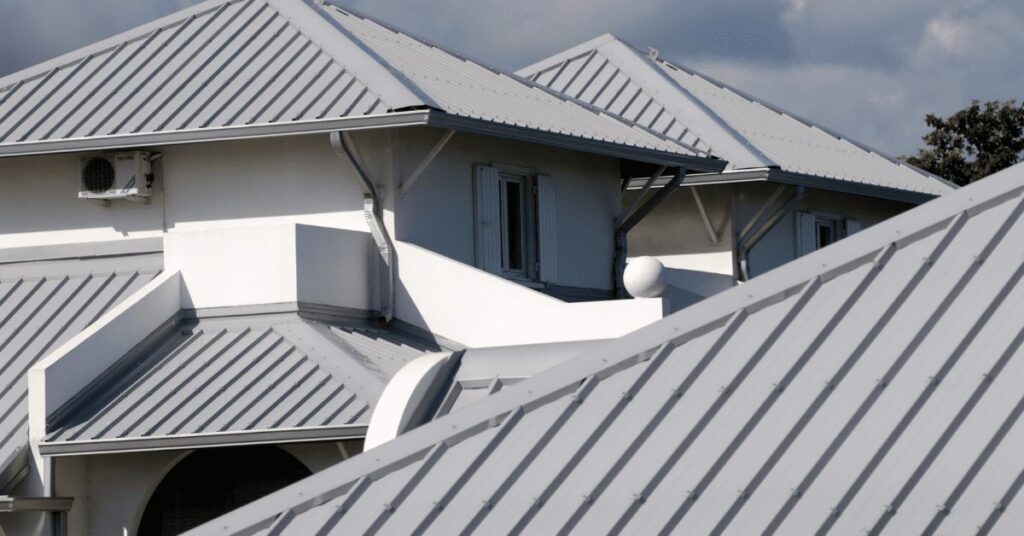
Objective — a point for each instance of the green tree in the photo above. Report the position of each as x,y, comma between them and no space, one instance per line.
974,142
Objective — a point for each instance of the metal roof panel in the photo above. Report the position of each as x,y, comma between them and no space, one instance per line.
43,305
721,120
238,374
871,386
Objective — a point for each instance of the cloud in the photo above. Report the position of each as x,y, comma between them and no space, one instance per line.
867,68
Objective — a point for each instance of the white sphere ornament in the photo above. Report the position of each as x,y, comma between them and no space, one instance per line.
645,278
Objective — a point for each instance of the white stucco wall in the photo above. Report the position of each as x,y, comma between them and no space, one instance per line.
675,234
230,184
301,180
437,211
111,491
779,245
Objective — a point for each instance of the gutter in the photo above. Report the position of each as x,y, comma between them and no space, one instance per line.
406,118
778,176
373,211
191,441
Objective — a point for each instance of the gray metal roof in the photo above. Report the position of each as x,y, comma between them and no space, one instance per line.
482,372
717,119
237,68
231,379
42,305
872,386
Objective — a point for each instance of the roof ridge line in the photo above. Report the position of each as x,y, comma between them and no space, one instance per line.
567,54
514,76
805,121
397,91
764,160
127,36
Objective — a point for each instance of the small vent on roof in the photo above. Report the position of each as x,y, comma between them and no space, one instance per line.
653,53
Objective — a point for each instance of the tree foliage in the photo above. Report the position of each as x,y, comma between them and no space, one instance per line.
974,142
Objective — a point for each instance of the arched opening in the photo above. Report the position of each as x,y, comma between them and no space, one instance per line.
212,482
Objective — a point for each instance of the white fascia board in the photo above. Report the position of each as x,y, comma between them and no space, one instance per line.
191,441
58,377
179,137
575,143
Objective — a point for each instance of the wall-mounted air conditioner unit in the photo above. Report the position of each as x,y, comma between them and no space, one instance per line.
116,176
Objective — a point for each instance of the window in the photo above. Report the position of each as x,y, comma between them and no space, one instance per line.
819,230
515,224
827,231
211,482
517,232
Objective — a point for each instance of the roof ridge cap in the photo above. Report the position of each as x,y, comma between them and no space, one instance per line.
569,53
350,52
518,78
762,160
806,122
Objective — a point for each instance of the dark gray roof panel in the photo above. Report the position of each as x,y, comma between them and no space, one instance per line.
42,306
873,386
240,374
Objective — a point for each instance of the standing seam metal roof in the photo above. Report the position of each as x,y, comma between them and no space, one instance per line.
42,306
717,119
248,373
231,64
873,386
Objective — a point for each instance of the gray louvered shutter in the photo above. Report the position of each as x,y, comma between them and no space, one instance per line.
547,229
806,237
488,219
853,227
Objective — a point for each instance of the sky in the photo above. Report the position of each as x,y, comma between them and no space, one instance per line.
869,69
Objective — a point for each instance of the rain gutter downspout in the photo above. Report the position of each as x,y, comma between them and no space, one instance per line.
373,211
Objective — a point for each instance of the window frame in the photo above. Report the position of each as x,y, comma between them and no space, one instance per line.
528,223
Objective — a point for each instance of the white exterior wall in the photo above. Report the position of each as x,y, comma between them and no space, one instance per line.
437,211
111,490
227,184
675,233
779,245
300,179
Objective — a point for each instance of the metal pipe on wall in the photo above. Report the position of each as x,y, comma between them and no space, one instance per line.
373,211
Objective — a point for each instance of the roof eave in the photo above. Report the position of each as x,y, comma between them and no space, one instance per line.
424,117
388,120
652,156
838,185
192,441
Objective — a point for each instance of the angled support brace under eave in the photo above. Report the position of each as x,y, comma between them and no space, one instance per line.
752,235
710,227
633,217
643,210
404,186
